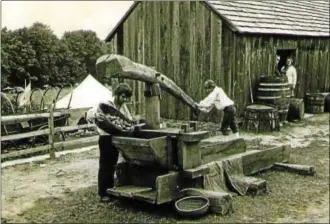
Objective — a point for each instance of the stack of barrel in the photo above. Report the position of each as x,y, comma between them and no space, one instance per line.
273,90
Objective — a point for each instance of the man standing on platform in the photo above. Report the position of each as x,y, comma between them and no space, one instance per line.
217,98
108,152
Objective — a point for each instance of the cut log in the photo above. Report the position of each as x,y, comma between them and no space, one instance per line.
295,168
296,109
256,186
220,202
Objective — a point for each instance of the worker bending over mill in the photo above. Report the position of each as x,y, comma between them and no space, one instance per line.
217,98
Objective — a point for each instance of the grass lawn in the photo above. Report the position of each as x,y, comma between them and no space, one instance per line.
290,198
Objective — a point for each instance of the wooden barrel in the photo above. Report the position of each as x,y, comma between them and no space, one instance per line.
296,109
314,103
259,118
275,91
327,103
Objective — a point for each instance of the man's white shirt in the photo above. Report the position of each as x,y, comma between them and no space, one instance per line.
291,73
217,98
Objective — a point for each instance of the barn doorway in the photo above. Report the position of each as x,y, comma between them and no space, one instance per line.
284,54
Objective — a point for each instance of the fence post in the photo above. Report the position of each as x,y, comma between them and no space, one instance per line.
51,131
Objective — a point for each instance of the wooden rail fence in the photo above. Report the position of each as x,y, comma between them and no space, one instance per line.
51,131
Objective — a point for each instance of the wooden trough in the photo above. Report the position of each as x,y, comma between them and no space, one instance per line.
159,165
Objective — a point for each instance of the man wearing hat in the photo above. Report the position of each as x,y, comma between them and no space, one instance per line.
217,98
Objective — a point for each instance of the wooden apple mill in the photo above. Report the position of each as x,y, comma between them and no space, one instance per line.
163,164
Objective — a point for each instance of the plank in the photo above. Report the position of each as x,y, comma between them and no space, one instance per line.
25,135
25,152
13,119
175,112
146,196
184,58
164,50
196,172
143,151
149,133
213,149
127,191
265,159
74,127
76,143
198,80
193,53
254,161
140,56
167,187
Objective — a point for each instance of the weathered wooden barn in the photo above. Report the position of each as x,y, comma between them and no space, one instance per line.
228,41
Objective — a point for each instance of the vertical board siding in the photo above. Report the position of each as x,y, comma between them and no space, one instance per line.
174,108
191,87
189,43
184,52
311,62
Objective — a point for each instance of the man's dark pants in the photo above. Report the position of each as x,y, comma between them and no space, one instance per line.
229,119
107,163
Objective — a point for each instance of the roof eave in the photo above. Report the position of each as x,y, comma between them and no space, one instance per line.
229,23
121,21
285,34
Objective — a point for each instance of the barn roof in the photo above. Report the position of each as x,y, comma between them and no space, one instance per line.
301,18
298,18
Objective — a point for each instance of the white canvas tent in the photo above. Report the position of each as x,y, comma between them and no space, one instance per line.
86,95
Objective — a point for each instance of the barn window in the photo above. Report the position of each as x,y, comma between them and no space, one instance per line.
284,54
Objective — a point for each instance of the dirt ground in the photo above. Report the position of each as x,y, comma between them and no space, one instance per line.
23,185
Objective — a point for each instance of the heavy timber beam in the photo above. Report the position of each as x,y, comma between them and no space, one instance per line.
111,64
213,149
253,161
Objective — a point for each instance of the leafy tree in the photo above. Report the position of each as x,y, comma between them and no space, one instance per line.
36,51
46,46
85,46
29,52
5,61
70,69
